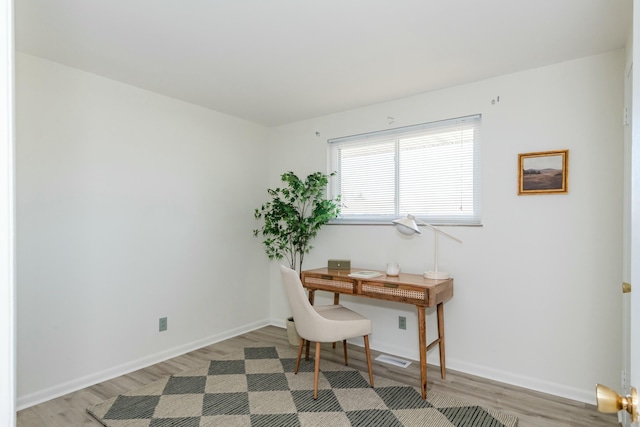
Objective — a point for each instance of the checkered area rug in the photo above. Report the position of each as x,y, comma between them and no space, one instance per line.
257,387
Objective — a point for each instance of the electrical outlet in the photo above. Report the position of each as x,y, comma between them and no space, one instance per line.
402,322
163,324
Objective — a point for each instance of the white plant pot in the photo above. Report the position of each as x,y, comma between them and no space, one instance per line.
294,338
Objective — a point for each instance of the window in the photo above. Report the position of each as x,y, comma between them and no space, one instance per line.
431,171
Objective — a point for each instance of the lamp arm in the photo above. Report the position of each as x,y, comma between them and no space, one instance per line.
448,235
437,230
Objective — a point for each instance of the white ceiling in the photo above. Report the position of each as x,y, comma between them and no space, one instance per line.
279,61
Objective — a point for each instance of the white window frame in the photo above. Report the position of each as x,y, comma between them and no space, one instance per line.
396,142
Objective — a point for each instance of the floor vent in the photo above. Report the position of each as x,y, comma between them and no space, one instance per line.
393,361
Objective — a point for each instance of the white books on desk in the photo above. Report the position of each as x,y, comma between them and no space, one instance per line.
365,274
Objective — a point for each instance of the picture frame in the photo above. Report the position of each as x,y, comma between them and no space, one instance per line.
544,172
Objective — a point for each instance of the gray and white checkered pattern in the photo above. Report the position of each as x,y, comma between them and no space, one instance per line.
258,388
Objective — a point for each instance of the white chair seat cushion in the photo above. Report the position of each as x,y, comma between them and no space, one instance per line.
338,323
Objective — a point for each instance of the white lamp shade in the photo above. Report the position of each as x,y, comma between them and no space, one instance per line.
407,225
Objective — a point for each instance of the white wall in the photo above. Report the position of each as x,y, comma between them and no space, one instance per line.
537,288
131,206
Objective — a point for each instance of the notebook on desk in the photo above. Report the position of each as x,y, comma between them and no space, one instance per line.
365,274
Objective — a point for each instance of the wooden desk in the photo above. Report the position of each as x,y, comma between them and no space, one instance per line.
405,288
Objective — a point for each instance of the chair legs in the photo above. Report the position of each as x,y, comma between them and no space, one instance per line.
317,372
366,348
367,351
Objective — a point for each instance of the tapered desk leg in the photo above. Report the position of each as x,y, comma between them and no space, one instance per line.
443,369
422,339
336,301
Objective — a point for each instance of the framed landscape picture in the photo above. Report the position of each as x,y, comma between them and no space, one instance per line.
543,172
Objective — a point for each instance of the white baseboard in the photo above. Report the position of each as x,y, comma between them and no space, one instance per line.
280,323
32,399
580,395
572,393
548,387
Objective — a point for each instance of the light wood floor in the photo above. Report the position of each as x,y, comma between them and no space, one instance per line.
532,408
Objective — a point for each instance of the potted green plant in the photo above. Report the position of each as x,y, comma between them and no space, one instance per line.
292,218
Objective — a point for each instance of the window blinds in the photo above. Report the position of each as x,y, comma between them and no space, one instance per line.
431,171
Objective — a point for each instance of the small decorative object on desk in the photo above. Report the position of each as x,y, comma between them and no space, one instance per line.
393,269
339,264
365,274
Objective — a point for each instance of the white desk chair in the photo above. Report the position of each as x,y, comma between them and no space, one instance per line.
326,323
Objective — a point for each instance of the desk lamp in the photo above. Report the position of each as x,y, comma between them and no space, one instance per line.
409,227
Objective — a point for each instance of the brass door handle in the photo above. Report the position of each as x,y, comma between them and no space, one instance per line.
609,401
626,287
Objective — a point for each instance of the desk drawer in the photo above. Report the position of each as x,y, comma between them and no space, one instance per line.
331,284
394,292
